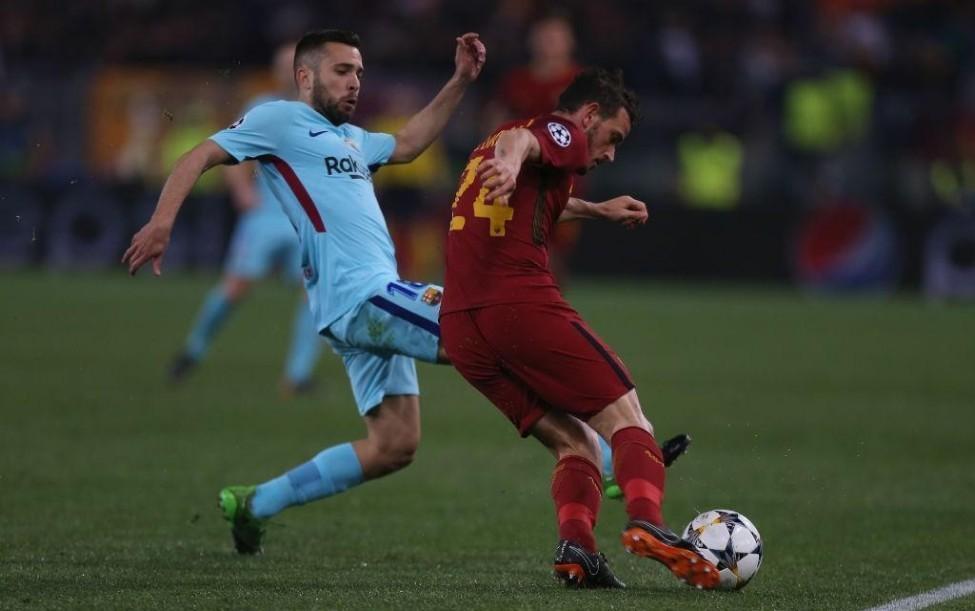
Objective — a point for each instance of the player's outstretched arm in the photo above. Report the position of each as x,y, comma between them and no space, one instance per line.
624,210
150,242
513,148
424,127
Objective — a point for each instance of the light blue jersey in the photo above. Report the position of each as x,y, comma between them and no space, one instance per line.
321,175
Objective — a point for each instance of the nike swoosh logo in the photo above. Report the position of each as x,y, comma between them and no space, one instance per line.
313,134
589,564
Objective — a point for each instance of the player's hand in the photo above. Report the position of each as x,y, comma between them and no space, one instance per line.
499,176
148,244
625,210
469,57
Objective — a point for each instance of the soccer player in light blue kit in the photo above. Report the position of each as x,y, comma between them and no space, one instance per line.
319,169
263,241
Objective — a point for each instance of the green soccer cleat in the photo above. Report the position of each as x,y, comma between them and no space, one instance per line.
611,489
248,531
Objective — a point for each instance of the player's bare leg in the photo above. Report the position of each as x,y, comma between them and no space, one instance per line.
236,288
392,436
639,467
442,357
577,493
393,433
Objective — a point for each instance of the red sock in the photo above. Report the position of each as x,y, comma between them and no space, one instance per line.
577,490
639,469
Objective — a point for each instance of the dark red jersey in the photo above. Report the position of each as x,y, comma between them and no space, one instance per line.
497,252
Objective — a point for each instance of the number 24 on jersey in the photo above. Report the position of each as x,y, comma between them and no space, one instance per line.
498,211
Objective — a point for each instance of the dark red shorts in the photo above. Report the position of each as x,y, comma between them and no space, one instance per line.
532,358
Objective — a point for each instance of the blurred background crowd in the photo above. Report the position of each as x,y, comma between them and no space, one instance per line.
829,143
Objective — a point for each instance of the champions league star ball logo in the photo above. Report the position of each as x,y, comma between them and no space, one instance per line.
560,134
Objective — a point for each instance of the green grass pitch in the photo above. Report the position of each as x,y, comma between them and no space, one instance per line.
844,430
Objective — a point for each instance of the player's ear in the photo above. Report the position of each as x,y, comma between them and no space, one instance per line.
303,77
590,112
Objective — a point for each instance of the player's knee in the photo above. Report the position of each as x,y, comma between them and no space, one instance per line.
595,450
397,452
236,288
580,441
589,449
623,413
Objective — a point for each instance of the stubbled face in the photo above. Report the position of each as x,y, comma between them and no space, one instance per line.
605,134
336,81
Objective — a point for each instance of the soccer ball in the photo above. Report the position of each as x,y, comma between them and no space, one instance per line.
731,542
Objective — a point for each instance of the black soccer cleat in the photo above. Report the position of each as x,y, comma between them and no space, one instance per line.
577,568
680,556
180,367
674,448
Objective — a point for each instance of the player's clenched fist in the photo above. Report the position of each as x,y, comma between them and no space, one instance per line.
470,56
499,175
625,210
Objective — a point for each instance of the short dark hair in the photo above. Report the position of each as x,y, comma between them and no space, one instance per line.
604,87
312,42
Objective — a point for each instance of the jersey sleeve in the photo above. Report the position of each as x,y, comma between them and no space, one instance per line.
256,133
562,144
377,147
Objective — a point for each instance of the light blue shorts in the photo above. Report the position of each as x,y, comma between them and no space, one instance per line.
262,243
379,339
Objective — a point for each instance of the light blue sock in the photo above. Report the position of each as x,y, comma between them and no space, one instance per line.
607,457
306,346
212,315
332,471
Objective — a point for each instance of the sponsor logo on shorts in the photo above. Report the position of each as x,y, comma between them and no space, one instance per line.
432,296
560,134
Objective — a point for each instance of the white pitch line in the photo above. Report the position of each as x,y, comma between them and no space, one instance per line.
931,597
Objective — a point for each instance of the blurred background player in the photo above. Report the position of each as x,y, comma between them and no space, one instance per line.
533,89
263,241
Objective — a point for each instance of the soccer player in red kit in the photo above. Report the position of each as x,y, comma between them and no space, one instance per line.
511,334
